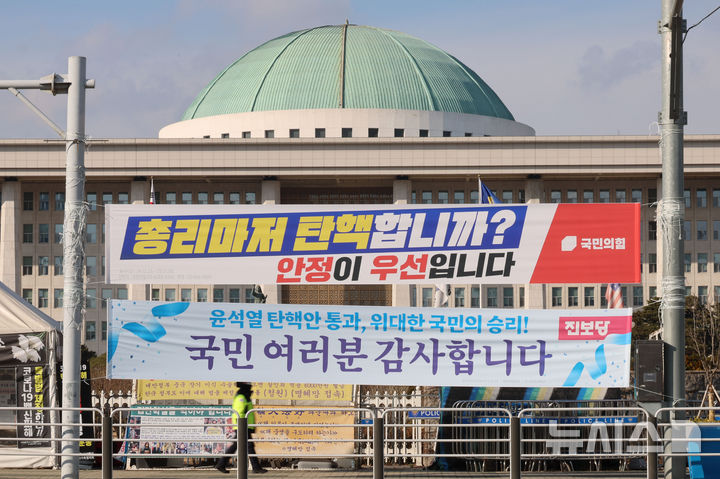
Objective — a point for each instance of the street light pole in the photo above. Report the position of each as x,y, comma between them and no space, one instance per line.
73,84
671,214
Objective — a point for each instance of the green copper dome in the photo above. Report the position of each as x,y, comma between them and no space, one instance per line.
347,66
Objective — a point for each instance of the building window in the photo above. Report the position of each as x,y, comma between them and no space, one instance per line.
716,230
652,292
250,198
716,198
269,133
423,133
58,294
702,260
91,233
155,294
604,196
234,198
688,262
234,295
620,196
185,295
27,233
459,197
507,196
42,298
556,295
652,263
58,233
555,196
446,134
572,196
104,330
91,298
652,230
186,198
43,265
652,195
249,298
427,297
59,201
122,293
521,296
508,297
123,198
58,262
443,197
688,290
716,293
636,196
43,233
474,197
399,133
346,132
107,198
427,197
170,294
202,295
27,295
319,132
637,295
170,198
372,132
491,299
589,296
27,266
43,201
294,133
459,297
572,296
701,198
468,134
202,198
224,135
218,295
687,227
106,295
91,265
588,196
218,198
92,201
703,294
246,134
686,197
716,262
90,332
701,230
475,297
28,201
521,196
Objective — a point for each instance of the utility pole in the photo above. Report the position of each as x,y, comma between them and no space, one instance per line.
73,84
672,119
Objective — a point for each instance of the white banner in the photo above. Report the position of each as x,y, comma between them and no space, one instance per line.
373,244
369,345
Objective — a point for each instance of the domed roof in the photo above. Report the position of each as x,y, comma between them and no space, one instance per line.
347,66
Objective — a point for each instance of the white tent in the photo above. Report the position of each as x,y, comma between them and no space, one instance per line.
18,316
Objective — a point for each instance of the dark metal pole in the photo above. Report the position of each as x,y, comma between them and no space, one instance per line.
515,462
107,447
242,448
378,448
652,455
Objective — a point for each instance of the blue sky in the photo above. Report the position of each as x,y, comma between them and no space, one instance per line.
563,67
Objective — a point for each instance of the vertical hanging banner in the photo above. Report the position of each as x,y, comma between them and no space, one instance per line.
373,244
361,344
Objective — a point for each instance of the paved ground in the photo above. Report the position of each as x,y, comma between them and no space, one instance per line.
390,473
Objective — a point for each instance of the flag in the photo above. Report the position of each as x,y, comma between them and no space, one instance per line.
487,196
152,192
613,296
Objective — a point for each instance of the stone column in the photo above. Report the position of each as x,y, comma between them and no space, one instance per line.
10,235
536,293
270,195
402,194
139,192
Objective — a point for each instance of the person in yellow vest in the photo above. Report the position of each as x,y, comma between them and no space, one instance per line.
241,405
